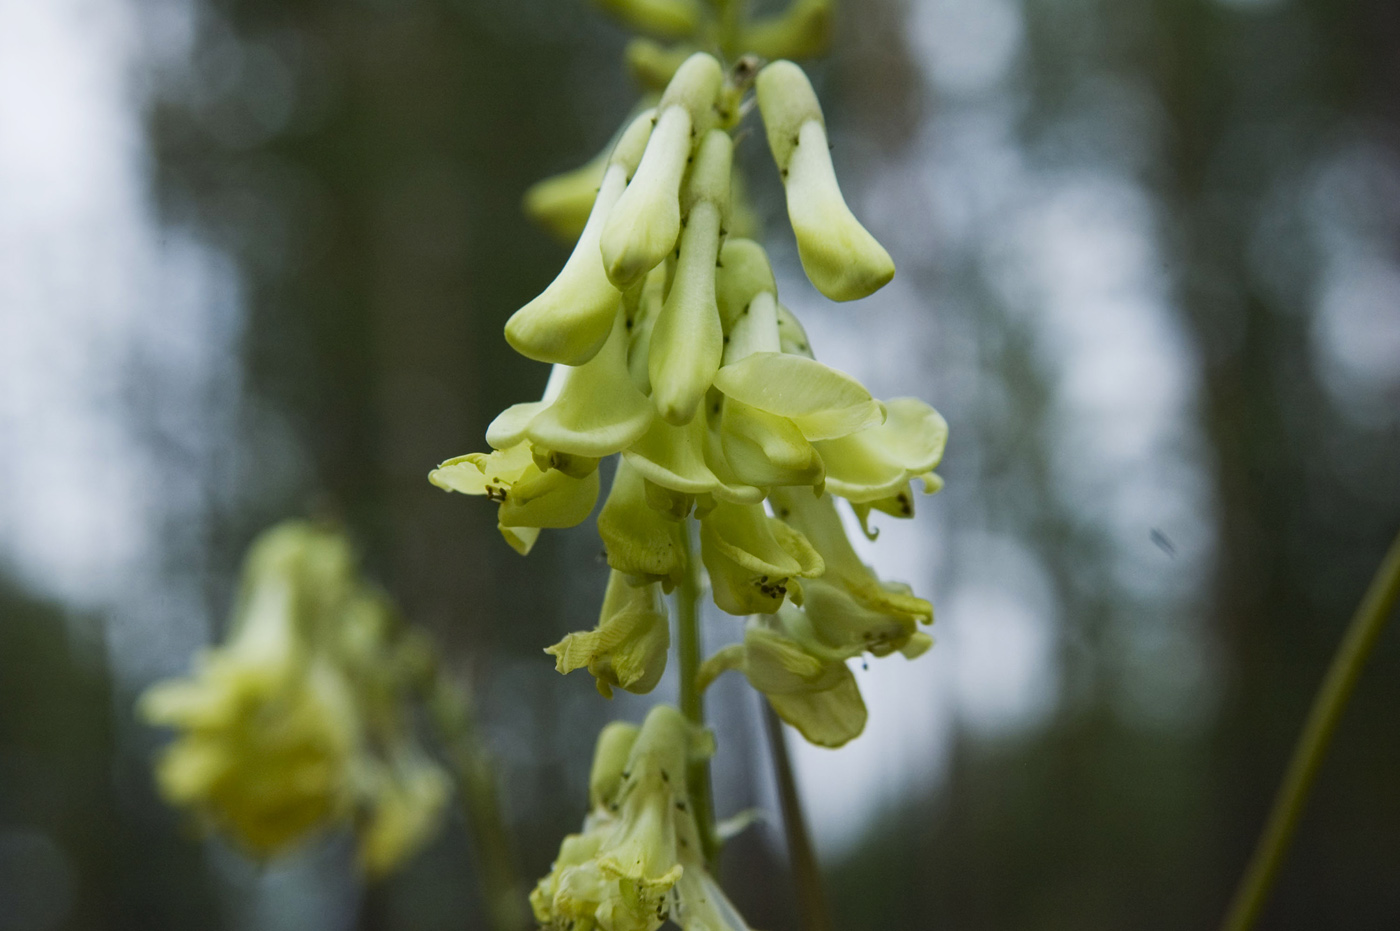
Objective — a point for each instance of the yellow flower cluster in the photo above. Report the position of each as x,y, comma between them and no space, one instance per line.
638,861
670,347
299,722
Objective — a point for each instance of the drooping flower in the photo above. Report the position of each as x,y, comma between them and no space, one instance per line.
849,606
530,498
571,319
807,682
627,649
687,340
839,255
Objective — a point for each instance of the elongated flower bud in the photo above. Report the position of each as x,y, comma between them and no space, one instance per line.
687,342
839,255
643,227
571,319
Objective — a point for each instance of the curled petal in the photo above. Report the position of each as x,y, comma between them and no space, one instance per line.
823,402
877,463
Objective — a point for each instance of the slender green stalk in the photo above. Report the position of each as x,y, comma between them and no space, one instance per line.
692,700
1331,700
730,14
450,711
806,873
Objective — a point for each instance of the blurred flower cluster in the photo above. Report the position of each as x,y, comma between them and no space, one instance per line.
302,720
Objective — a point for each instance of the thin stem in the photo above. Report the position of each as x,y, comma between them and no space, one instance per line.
692,700
450,711
730,14
1331,700
806,873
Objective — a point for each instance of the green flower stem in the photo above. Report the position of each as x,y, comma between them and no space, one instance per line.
1331,700
692,699
730,14
806,873
450,711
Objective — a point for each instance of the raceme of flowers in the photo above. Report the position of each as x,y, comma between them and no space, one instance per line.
670,347
300,722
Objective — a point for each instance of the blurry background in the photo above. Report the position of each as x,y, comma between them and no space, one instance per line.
255,256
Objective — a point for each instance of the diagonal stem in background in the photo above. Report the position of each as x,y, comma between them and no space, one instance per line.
450,711
806,872
1331,700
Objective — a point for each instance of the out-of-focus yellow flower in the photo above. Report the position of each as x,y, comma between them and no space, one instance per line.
298,723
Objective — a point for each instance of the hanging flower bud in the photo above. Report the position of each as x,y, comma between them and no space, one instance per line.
665,19
849,607
643,227
641,541
752,559
791,335
610,756
627,649
571,319
803,30
839,255
743,272
807,683
687,341
530,498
